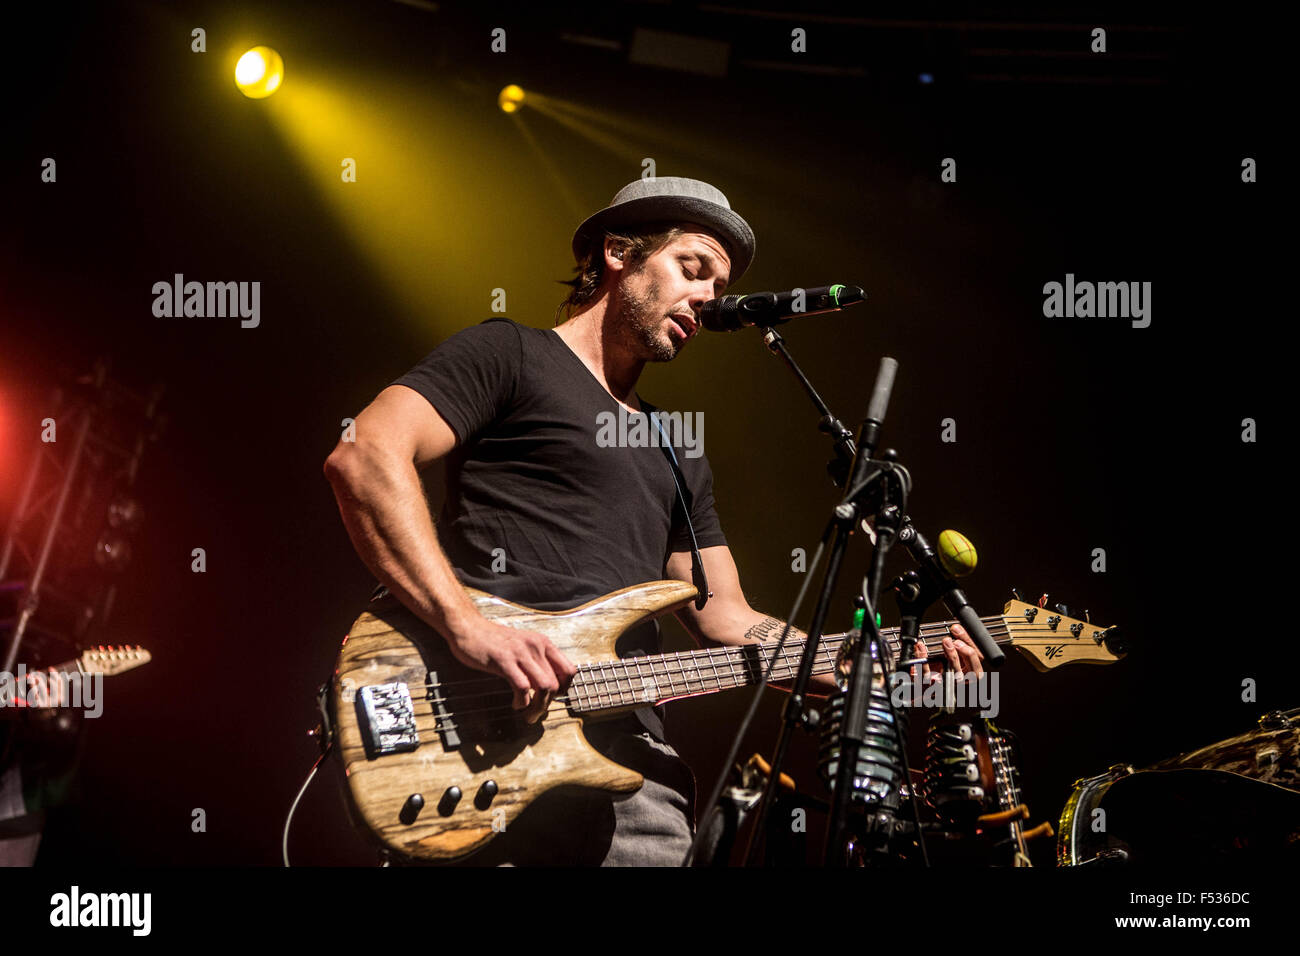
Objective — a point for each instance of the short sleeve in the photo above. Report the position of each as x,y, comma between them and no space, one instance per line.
471,376
704,515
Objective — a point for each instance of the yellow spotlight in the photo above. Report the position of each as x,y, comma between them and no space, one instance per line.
259,72
511,98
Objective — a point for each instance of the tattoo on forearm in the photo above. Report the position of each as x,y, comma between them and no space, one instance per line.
765,629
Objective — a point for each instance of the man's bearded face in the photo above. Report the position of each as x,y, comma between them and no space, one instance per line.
659,299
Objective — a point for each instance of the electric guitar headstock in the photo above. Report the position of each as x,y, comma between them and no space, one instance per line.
1050,637
42,690
111,660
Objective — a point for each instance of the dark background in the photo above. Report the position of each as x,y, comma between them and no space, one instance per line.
1072,435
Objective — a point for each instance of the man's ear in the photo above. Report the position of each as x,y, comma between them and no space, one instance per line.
614,254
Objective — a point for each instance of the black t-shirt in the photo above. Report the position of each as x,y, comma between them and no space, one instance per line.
535,486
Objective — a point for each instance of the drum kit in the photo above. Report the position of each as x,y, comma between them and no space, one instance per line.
1236,801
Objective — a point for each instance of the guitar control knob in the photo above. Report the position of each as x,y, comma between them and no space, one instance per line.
411,808
450,797
486,793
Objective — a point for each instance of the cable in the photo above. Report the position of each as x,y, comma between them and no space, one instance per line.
288,821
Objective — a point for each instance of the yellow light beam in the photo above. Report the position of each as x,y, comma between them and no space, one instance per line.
622,147
575,207
435,193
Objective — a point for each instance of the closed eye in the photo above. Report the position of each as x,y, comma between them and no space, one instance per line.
718,284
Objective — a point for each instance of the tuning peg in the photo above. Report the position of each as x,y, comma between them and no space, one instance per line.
1086,616
1016,594
1065,611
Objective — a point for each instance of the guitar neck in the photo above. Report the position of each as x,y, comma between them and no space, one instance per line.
67,668
108,661
651,680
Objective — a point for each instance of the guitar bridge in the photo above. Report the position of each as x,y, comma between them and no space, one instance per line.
387,719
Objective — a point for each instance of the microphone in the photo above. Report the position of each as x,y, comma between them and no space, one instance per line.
733,312
959,556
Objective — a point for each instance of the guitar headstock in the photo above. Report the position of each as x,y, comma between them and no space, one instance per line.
1050,638
113,659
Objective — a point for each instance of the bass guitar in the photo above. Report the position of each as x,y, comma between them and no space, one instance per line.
437,762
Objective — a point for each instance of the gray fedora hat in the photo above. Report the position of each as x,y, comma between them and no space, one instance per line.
671,199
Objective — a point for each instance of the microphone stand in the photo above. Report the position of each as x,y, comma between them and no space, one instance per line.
884,486
845,448
879,486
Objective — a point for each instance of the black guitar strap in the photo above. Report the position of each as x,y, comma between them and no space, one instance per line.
685,499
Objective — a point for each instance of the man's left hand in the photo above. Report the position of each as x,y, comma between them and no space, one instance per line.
960,654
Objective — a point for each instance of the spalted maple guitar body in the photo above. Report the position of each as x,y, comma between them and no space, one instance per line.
436,761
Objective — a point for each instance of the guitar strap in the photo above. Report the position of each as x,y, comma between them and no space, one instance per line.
685,500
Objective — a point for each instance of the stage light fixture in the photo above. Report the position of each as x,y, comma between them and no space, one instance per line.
124,513
112,552
511,98
259,72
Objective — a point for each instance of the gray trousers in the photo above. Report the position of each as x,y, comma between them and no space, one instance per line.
17,848
651,827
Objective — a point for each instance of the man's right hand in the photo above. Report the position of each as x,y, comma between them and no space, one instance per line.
377,483
530,663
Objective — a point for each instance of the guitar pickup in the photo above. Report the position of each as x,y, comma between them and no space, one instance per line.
387,719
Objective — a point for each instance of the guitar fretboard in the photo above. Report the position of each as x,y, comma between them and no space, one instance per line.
643,681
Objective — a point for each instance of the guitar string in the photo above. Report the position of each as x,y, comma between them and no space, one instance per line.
445,724
629,670
668,664
630,697
660,660
932,642
786,670
619,696
670,668
587,693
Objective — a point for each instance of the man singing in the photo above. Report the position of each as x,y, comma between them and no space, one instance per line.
515,413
